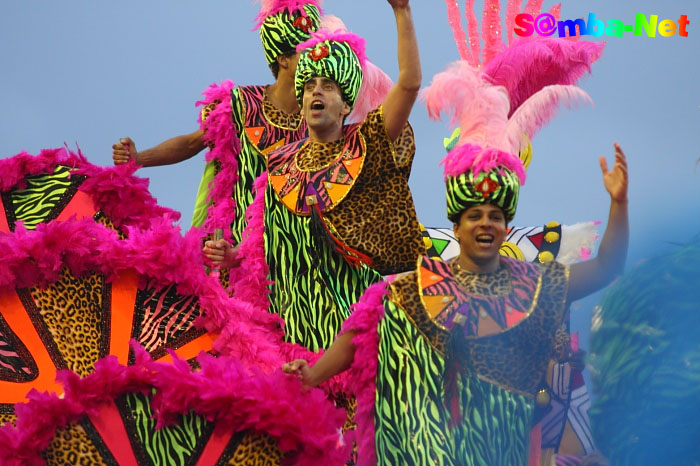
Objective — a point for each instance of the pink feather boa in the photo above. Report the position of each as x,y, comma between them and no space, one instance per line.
304,422
249,280
220,133
272,7
124,198
32,258
356,43
362,375
469,157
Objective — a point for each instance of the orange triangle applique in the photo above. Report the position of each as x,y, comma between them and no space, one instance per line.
278,182
273,147
353,166
436,304
336,191
428,278
255,133
513,317
487,326
290,200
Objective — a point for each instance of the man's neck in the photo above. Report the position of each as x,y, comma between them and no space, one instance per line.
282,95
465,263
326,135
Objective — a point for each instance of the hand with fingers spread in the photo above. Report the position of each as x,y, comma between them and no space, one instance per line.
220,254
123,151
301,369
615,180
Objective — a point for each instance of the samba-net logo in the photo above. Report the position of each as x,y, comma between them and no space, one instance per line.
546,25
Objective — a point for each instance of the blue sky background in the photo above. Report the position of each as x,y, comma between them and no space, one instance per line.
88,73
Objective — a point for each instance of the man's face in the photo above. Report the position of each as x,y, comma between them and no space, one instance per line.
481,231
323,106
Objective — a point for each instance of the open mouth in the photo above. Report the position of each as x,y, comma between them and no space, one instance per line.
485,240
317,105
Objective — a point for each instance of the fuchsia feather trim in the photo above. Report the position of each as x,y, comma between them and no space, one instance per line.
32,258
123,197
362,375
220,133
469,157
356,43
529,65
249,280
272,7
303,422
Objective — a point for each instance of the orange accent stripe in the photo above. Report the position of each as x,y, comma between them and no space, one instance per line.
192,349
109,425
4,227
251,132
124,290
81,206
18,320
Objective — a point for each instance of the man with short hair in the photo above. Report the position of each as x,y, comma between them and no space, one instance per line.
261,117
338,212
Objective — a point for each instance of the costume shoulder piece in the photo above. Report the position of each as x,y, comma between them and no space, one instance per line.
298,188
266,126
508,319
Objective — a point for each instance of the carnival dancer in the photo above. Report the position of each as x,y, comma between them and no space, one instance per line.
338,212
463,345
241,123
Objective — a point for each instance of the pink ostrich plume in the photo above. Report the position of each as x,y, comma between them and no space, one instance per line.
470,157
540,108
356,43
479,108
528,66
272,7
376,84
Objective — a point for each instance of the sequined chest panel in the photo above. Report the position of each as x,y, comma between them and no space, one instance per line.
267,127
299,188
481,304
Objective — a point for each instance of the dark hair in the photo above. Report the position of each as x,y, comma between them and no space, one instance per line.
275,67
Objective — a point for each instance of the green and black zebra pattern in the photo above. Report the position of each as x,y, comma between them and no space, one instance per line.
411,416
461,192
313,288
280,36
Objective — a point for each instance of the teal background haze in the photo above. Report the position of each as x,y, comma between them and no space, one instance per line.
88,73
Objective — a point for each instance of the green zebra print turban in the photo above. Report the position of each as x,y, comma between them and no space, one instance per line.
475,176
338,56
285,25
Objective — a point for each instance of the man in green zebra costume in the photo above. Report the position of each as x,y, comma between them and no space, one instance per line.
261,117
338,213
457,349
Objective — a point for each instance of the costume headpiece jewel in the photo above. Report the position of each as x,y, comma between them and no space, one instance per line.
337,55
286,23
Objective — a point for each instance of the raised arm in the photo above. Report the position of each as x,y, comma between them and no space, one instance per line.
399,101
587,277
338,358
168,152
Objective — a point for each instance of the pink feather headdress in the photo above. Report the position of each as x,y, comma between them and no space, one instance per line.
272,7
502,96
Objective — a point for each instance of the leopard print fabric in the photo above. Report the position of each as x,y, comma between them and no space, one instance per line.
279,118
514,359
72,310
72,446
378,216
256,449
